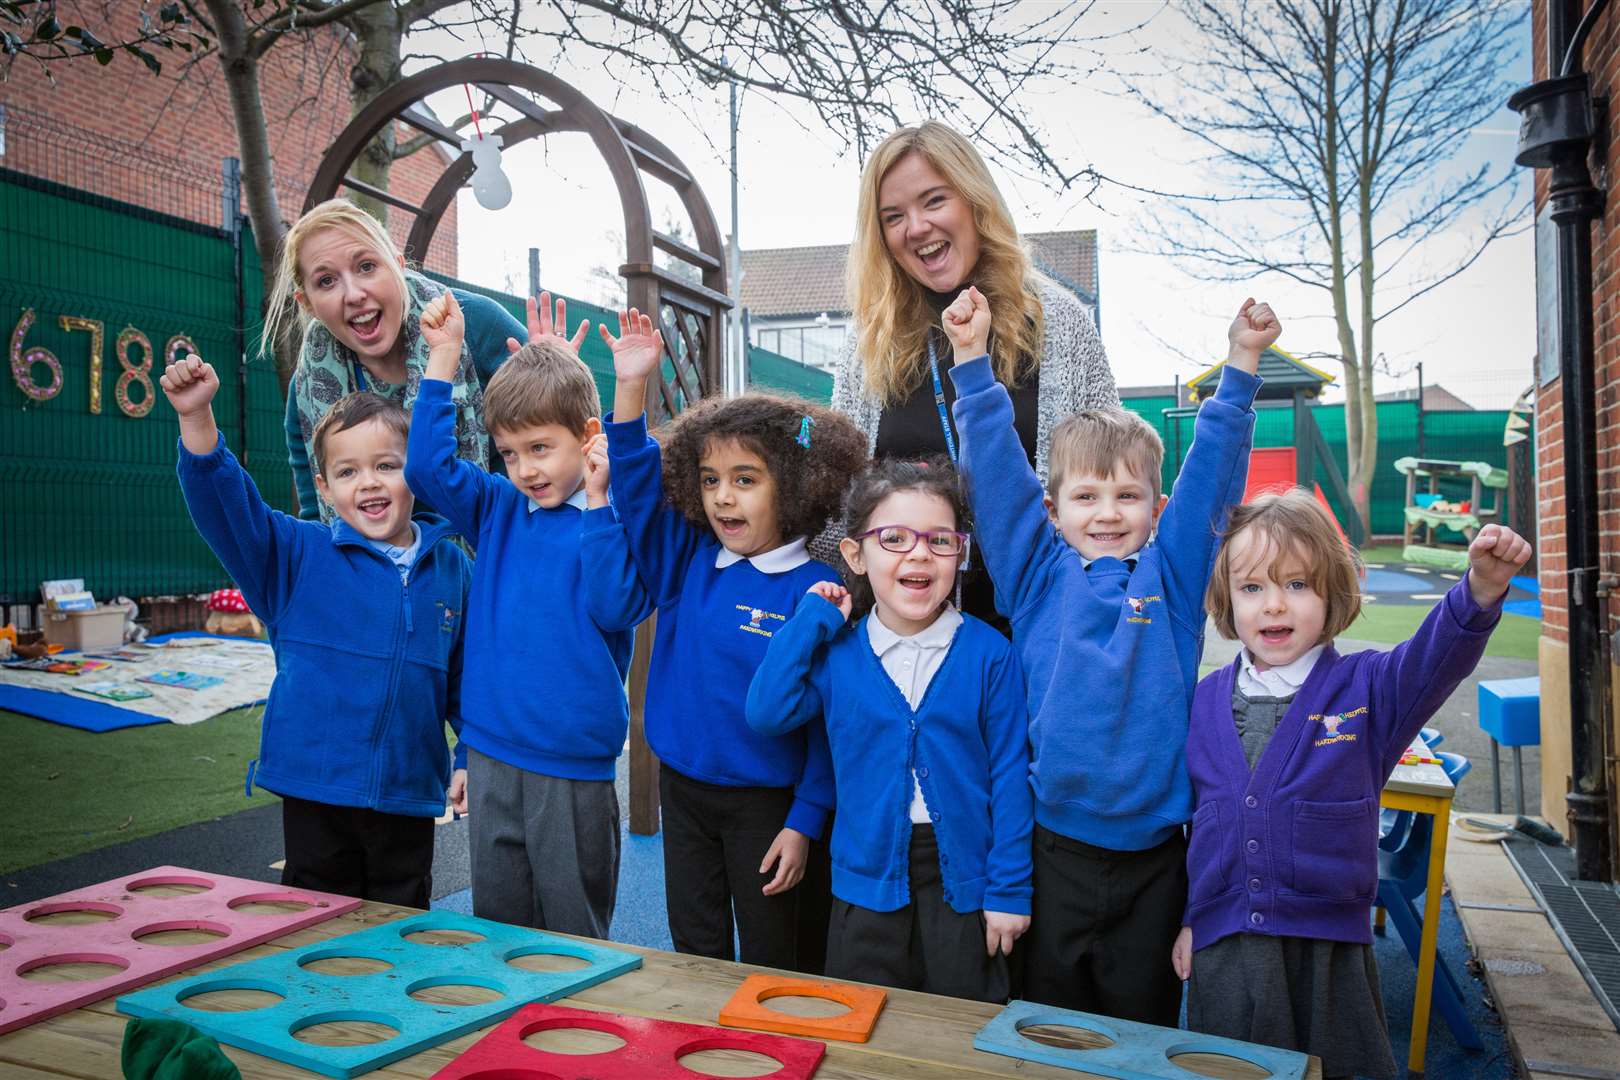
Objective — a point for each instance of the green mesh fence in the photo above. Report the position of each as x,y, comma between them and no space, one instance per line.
771,371
92,494
1447,436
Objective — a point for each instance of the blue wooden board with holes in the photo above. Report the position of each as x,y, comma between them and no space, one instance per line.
1139,1051
309,997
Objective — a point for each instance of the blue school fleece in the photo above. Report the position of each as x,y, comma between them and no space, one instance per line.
714,624
965,741
1110,653
1291,846
368,667
544,684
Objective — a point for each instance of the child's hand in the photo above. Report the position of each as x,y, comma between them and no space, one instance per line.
1001,930
836,595
1181,954
542,325
190,385
1255,330
789,851
596,471
443,325
638,350
1496,554
967,324
456,795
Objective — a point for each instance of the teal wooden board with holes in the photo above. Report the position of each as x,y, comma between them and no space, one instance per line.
1138,1051
382,996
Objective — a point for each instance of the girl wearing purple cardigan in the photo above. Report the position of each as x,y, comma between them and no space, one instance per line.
1288,750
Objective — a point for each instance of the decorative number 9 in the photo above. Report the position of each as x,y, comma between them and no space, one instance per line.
178,346
22,363
141,372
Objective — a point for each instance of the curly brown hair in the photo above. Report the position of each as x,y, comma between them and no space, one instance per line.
810,480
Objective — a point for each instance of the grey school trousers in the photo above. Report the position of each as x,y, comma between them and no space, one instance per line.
544,850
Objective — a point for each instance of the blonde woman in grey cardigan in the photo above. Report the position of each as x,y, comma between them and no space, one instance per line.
930,222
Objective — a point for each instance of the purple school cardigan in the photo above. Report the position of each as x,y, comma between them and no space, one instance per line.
1292,848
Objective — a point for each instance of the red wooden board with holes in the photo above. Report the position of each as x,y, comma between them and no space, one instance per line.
224,906
652,1049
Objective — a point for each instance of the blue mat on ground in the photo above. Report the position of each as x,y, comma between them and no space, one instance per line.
81,712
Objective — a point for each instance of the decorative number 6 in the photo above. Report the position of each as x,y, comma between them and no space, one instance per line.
22,363
141,372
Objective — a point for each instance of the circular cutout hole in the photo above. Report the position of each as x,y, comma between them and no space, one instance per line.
73,914
272,904
183,932
224,997
5,943
725,1061
546,961
1219,1065
1064,1037
816,1008
453,992
337,964
572,1040
346,1029
73,967
511,1074
163,888
443,937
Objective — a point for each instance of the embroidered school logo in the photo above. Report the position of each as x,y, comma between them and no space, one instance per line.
757,618
447,620
1332,722
1138,605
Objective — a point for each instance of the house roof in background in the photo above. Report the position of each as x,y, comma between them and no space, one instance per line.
1436,398
809,280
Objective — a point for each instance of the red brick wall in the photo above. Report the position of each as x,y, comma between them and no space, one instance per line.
1602,59
183,117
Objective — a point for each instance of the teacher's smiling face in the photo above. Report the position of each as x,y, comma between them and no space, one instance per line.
927,226
353,290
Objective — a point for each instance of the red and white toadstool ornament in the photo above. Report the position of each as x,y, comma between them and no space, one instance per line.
229,614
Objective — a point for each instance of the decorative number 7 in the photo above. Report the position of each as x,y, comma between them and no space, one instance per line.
98,333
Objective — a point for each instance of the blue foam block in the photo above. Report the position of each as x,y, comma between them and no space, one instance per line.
1139,1051
310,997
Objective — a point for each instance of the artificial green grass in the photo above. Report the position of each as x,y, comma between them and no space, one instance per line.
75,791
1515,636
1383,554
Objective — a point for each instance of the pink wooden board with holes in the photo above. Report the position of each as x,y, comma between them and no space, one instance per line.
26,945
652,1049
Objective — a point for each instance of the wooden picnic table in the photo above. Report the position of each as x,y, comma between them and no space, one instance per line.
918,1036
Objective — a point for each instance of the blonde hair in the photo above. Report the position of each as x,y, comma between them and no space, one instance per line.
337,214
545,382
1293,523
1096,442
891,310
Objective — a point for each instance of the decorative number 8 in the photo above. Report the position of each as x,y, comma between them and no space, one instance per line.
22,363
141,372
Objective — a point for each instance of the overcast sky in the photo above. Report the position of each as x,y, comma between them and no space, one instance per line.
1475,335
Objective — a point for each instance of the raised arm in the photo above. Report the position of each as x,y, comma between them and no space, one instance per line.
258,546
787,691
457,488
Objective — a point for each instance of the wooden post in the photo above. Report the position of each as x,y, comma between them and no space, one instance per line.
643,764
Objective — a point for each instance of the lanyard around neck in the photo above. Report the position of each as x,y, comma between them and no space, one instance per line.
939,401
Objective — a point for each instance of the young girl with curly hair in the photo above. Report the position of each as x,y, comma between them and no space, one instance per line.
717,522
924,711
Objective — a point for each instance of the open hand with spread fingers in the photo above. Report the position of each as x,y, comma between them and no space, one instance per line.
543,324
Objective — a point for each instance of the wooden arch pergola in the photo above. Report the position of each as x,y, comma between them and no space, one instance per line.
690,315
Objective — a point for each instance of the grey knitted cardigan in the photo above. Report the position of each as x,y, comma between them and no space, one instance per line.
1074,373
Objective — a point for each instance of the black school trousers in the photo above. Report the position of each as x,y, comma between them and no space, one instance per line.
354,851
1103,925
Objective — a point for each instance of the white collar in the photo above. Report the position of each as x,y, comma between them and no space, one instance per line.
1289,677
576,500
790,556
936,635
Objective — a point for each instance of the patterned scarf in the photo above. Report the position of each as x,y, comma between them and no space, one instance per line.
329,370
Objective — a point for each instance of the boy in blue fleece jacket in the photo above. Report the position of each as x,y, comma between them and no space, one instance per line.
1108,620
548,630
366,618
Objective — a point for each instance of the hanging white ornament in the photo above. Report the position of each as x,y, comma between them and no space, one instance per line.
490,186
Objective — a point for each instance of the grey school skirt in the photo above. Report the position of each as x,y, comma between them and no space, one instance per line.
1318,997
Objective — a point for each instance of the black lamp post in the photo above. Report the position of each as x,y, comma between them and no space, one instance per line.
1557,124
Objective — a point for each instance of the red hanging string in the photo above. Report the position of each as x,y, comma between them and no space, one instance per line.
476,127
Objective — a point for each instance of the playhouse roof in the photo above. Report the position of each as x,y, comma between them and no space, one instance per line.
1284,373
